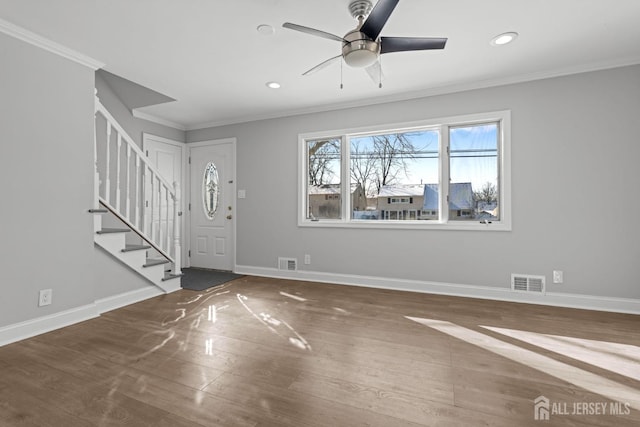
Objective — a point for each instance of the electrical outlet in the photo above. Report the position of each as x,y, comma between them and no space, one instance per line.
557,276
45,298
307,259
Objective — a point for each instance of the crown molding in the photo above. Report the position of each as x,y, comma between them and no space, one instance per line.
34,39
150,118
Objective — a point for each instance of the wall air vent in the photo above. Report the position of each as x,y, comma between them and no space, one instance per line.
527,283
290,264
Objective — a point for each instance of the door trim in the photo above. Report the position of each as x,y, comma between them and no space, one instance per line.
187,235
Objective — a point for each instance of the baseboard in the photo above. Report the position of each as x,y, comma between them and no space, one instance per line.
127,298
171,286
587,302
41,325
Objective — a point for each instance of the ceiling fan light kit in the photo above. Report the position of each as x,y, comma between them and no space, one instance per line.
362,47
359,51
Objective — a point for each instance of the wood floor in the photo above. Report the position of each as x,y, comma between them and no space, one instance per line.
267,352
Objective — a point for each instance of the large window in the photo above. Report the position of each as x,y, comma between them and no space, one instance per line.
448,173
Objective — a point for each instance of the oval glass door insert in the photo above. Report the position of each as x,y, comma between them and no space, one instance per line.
210,190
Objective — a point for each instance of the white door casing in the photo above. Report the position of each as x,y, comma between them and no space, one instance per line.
212,232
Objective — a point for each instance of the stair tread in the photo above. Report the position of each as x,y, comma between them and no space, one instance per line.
130,248
170,276
113,230
152,262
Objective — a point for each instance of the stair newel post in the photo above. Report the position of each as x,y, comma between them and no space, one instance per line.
96,175
176,228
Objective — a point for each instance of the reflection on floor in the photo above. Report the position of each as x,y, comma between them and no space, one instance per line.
611,390
267,352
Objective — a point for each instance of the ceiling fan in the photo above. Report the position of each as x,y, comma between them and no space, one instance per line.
362,47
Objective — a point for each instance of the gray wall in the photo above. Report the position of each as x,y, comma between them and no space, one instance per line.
575,179
112,278
46,156
46,166
135,127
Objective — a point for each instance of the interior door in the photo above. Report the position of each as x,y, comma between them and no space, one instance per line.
212,209
166,156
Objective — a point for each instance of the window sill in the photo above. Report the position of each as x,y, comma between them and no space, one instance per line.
408,225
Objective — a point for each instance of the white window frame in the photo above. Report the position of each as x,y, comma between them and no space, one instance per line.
442,124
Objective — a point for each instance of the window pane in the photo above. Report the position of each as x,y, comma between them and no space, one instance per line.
210,190
324,200
474,184
389,174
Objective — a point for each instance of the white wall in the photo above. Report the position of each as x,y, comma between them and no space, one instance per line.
575,180
46,156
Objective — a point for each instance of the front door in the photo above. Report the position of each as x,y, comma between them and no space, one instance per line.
212,209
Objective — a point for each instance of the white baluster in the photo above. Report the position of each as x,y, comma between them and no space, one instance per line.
107,181
138,177
160,210
167,234
118,174
159,227
153,183
176,229
147,206
128,190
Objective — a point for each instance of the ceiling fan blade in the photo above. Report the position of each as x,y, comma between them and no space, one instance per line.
402,44
378,17
312,31
375,72
322,65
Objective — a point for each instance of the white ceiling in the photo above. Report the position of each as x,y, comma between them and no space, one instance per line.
208,55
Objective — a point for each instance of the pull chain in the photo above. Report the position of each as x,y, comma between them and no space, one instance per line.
341,61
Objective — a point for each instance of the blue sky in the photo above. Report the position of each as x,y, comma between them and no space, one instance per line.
473,155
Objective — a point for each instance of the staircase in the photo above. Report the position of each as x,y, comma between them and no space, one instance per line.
136,211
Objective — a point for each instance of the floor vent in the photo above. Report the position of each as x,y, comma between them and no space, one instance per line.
527,283
290,264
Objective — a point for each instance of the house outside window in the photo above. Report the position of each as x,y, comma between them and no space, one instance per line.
392,176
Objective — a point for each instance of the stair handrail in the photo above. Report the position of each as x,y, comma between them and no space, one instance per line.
163,244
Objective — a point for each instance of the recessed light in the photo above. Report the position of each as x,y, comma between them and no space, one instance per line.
273,85
265,30
504,38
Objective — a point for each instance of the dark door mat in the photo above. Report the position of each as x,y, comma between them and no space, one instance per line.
199,279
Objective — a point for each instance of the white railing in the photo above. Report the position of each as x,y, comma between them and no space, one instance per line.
133,189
